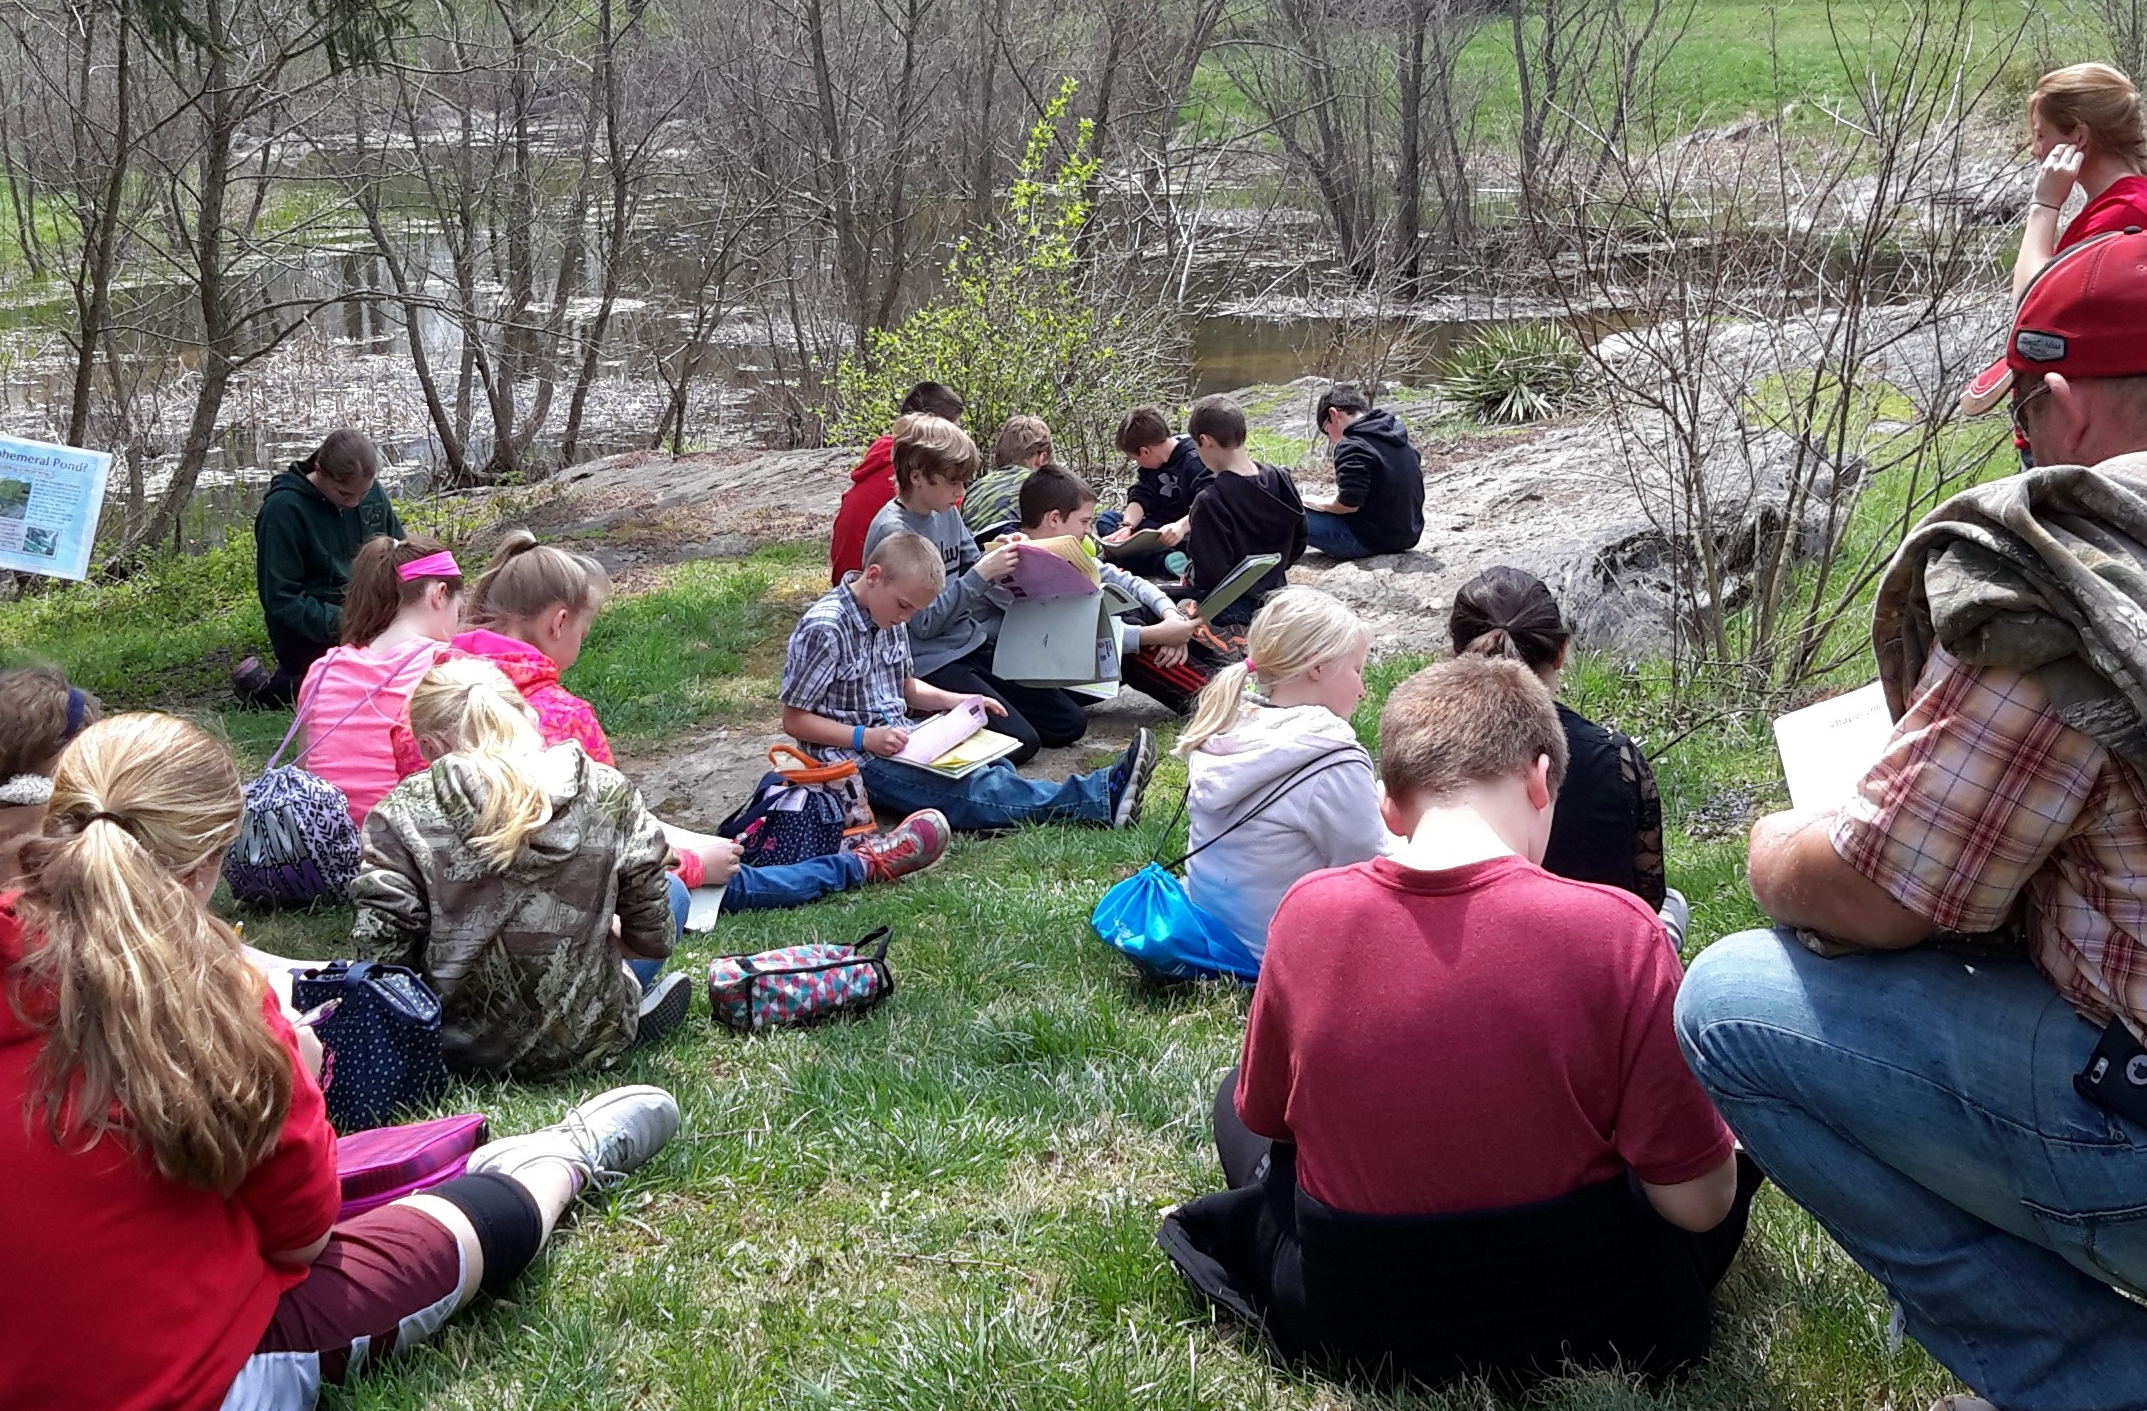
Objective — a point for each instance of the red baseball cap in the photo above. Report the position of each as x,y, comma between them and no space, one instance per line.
2085,313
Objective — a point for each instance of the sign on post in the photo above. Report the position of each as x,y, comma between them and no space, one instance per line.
50,498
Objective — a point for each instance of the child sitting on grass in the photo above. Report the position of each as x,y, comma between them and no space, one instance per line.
849,689
519,879
1248,508
165,1152
951,635
989,507
529,614
1152,654
403,606
1274,730
39,714
1461,1138
872,482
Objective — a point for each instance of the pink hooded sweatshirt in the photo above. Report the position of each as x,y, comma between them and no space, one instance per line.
354,714
561,715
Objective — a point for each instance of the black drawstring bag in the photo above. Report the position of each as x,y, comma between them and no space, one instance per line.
382,1038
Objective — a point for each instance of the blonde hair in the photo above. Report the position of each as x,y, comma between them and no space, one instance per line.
2100,99
1468,721
526,579
469,705
1021,438
151,1015
909,558
1294,631
933,447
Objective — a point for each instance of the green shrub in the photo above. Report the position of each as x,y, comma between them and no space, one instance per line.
1517,372
1022,326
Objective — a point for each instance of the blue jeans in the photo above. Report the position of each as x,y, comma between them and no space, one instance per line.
993,797
645,970
793,884
1920,1105
1332,536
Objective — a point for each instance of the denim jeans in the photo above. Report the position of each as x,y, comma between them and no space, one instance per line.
792,884
1920,1105
993,797
645,970
1332,536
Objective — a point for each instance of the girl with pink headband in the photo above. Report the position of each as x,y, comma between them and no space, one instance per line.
403,605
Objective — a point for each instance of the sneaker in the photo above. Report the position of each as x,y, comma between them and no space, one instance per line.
605,1138
249,679
664,1005
1962,1403
1129,778
912,845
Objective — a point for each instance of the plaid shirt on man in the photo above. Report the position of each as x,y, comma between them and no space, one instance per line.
842,665
1984,792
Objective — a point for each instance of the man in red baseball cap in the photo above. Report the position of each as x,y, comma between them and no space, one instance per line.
1971,1125
2078,352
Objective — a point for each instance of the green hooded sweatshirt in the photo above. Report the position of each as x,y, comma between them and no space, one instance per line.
302,550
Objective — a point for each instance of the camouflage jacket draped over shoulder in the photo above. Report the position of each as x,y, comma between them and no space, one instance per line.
530,978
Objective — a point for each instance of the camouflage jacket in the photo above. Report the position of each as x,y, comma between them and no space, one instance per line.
531,980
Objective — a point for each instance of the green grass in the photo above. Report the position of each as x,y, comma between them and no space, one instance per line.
951,1203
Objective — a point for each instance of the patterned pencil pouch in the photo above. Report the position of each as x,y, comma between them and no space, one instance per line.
799,984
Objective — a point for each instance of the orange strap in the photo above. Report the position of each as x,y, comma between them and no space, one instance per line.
808,770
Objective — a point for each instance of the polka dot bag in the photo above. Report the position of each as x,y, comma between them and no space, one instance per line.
799,984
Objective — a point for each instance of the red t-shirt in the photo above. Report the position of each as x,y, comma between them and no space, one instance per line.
872,485
1472,1039
2122,203
125,1291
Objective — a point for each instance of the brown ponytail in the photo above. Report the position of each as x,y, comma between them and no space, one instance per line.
378,591
1503,612
526,579
346,457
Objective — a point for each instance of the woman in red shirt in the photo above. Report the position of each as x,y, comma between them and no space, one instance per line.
170,1170
2084,126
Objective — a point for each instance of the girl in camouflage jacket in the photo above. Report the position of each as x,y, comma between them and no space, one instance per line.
517,879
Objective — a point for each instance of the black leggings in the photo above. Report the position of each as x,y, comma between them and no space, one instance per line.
510,1228
1041,717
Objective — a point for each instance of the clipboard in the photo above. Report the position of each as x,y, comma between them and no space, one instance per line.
1239,582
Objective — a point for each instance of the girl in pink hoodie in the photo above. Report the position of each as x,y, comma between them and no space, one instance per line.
529,614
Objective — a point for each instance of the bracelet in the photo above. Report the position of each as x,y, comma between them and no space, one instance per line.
2045,205
857,738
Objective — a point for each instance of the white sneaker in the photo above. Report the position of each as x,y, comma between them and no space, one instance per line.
604,1138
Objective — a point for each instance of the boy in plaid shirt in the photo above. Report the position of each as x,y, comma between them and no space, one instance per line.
848,693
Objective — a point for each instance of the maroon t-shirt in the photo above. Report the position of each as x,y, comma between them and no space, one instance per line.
2122,203
1471,1039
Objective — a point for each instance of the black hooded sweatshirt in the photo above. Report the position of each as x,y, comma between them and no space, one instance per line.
1166,493
1378,472
1237,516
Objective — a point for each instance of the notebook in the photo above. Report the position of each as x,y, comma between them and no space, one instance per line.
1140,541
973,754
1826,748
943,732
1237,584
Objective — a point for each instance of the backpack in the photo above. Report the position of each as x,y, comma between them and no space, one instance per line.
799,984
382,1038
800,811
1150,920
296,843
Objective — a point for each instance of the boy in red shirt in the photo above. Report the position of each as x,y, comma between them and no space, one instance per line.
872,483
1461,1120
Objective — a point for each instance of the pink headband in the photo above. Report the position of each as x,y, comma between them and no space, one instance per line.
439,565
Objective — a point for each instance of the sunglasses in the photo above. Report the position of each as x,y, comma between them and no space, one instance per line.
2020,404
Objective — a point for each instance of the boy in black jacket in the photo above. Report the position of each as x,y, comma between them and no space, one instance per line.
1169,474
1378,504
1247,508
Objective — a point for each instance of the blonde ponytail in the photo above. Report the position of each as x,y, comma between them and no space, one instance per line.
153,1031
468,708
1294,631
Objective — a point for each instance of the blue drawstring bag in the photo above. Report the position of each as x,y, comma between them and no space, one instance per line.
1150,920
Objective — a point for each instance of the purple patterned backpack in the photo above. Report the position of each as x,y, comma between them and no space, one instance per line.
799,984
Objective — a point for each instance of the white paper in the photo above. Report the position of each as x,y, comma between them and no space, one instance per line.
1827,748
50,499
943,732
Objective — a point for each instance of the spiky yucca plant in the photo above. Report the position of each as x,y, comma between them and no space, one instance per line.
1517,372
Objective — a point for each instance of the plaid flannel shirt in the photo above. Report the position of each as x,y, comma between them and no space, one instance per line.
1985,793
844,666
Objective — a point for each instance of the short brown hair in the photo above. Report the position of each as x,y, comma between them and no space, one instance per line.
1021,438
1052,487
39,714
1219,419
933,447
1141,429
1467,721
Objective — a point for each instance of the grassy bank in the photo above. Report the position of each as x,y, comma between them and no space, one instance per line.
951,1204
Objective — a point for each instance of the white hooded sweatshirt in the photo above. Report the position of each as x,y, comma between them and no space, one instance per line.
1329,818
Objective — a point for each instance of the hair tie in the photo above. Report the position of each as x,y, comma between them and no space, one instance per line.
439,565
1251,666
77,708
101,816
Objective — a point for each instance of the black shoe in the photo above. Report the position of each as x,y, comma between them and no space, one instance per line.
664,1007
1130,776
248,680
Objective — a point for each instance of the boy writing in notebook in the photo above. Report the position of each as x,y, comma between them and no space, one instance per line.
850,692
1152,653
1167,475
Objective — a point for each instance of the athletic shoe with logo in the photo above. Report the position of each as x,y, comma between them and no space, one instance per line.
1129,778
912,845
605,1138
